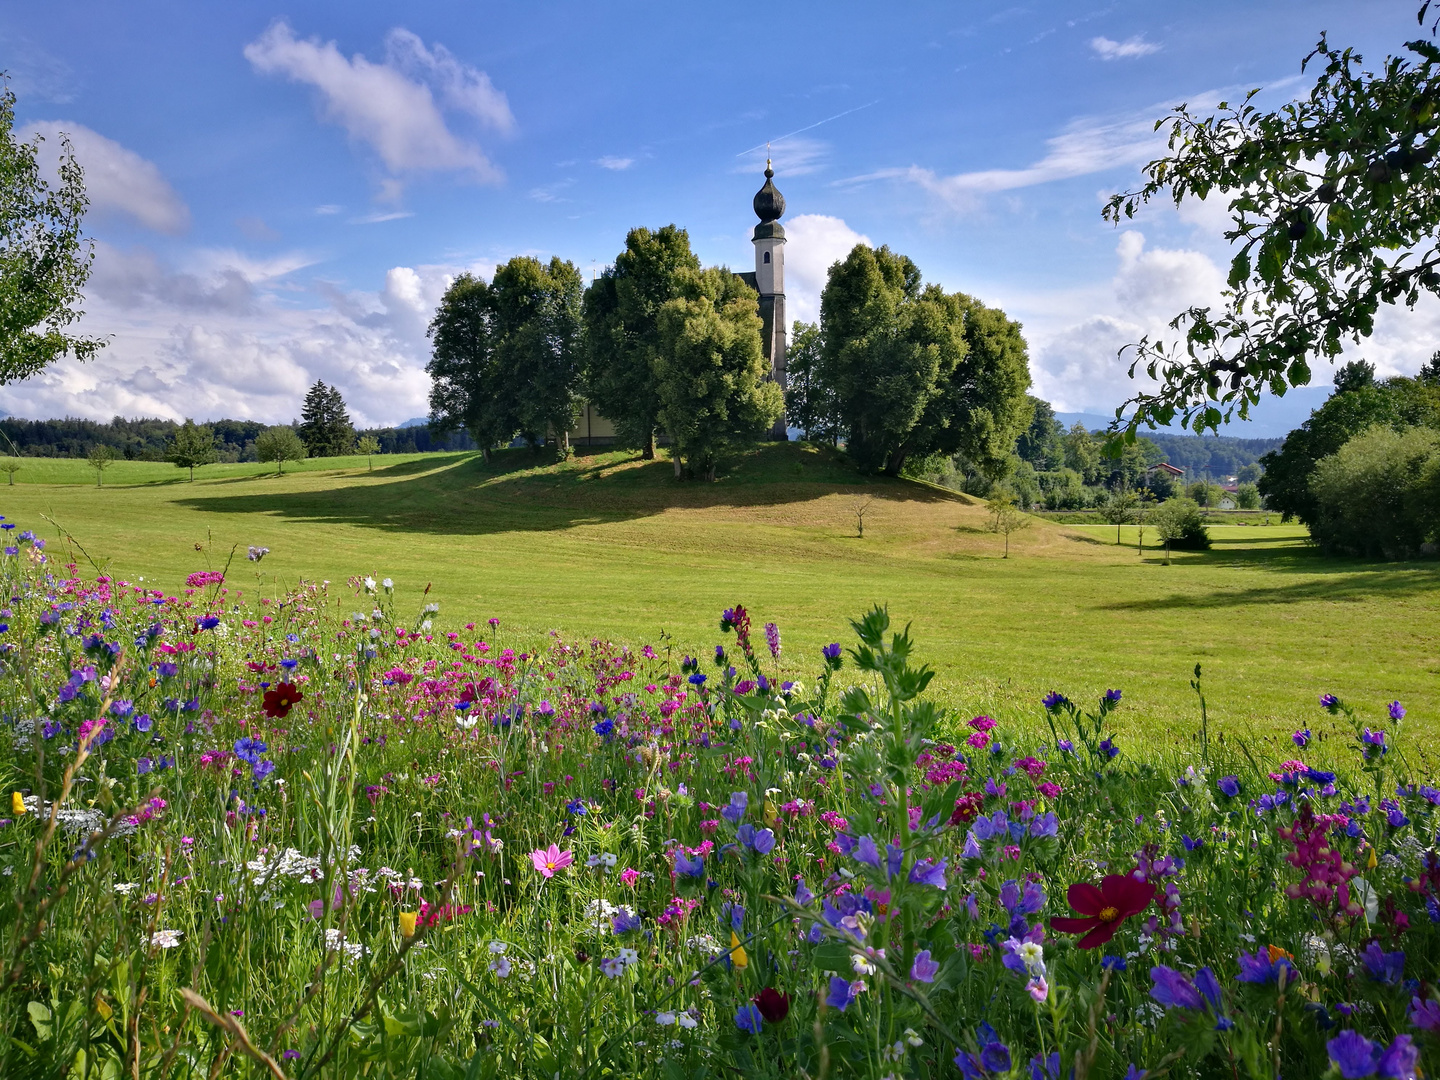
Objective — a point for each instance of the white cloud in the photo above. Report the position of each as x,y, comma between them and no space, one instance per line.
223,337
618,164
391,106
813,242
795,156
1123,50
118,181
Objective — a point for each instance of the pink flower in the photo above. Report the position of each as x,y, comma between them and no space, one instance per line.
629,875
982,723
548,860
979,740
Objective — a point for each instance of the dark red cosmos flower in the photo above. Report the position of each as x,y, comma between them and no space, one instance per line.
1104,909
773,1004
280,698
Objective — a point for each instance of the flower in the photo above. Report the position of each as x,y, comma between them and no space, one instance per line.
843,992
924,872
1301,738
1383,967
407,923
1112,697
924,969
686,1021
748,1018
1054,700
548,860
1425,1015
735,809
664,1019
501,967
1265,966
737,952
1174,990
17,803
1356,1056
1104,908
773,1004
613,967
280,698
166,939
1397,711
1229,786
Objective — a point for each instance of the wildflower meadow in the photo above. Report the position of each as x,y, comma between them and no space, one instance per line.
324,833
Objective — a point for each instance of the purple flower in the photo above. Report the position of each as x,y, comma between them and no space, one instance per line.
1065,746
1301,738
925,872
1229,785
748,1018
866,851
1399,1059
1047,824
772,639
924,969
1329,701
1054,700
1354,1054
249,750
689,867
1425,1015
764,842
842,992
1108,749
1018,902
803,896
1209,987
1045,1068
1397,711
735,810
1173,990
624,921
1259,968
831,653
1112,697
1384,967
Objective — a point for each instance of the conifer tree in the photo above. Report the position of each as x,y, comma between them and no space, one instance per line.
325,426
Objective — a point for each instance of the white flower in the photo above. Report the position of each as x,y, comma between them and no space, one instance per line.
125,888
369,584
628,957
861,965
165,939
686,1021
1034,957
499,947
665,1019
425,625
431,609
913,1038
465,721
388,583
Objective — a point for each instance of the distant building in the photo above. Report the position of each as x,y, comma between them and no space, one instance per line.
1167,469
768,279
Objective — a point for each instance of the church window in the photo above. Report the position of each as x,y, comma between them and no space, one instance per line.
767,256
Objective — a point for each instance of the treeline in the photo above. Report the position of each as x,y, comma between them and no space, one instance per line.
1212,457
1363,473
661,346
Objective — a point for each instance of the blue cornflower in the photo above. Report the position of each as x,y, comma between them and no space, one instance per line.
1229,786
248,749
605,728
748,1018
697,679
1113,963
209,622
288,664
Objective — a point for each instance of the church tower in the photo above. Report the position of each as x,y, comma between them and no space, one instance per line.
770,281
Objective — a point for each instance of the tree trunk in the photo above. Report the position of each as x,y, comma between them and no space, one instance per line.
192,474
1007,546
648,454
675,457
485,452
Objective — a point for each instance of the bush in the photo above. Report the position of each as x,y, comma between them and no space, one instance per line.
1180,524
1247,497
1377,495
1064,489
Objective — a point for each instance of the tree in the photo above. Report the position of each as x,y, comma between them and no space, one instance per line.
325,426
918,371
44,260
368,445
1119,509
99,459
538,348
192,447
10,465
712,380
810,402
1396,403
1082,452
465,388
1247,497
1374,496
1042,443
1205,493
1248,474
622,330
1355,375
1430,370
279,444
1005,518
1179,523
1334,213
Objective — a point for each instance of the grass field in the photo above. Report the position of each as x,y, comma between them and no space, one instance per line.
609,545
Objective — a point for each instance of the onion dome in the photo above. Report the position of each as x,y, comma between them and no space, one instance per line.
769,203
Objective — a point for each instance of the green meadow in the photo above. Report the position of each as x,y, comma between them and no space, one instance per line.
608,545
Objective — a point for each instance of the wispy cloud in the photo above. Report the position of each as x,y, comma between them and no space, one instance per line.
117,179
1107,49
377,218
795,156
392,106
618,164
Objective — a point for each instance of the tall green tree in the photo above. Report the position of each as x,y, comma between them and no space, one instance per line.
44,259
325,426
1041,444
539,351
465,389
279,444
192,447
918,371
810,401
710,371
622,330
1082,452
1335,211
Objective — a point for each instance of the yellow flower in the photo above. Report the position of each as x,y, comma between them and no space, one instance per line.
1371,862
407,923
737,953
17,803
771,817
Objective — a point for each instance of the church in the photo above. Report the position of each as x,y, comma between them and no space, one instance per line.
767,279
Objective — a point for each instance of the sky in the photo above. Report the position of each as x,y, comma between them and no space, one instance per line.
282,194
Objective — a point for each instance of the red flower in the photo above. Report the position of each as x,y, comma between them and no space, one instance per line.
1104,909
773,1004
280,698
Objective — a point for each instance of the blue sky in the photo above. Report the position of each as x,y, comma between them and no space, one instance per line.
282,193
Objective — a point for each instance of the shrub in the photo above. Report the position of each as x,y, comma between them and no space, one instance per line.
1376,495
1180,525
1247,497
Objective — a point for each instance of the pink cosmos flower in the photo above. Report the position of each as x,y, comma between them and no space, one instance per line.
548,860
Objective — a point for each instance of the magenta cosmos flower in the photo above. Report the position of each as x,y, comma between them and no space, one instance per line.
548,860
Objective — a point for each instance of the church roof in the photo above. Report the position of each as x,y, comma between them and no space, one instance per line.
769,203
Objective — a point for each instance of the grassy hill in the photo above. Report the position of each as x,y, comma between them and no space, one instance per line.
609,545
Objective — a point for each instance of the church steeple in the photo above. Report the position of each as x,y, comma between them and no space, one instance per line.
769,203
769,243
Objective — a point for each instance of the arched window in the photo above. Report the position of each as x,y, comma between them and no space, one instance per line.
767,256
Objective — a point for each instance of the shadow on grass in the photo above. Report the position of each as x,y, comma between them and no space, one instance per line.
519,491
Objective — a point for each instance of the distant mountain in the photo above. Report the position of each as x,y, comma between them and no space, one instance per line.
1273,418
416,421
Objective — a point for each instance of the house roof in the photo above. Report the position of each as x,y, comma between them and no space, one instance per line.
1166,467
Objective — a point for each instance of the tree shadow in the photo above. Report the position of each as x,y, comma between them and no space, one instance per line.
518,492
1335,584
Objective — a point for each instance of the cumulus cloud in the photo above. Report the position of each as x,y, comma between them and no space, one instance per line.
617,164
392,106
813,242
1123,50
225,336
118,181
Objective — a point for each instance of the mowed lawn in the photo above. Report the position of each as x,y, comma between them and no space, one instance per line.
607,545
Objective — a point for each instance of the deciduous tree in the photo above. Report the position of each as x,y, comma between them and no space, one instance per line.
368,445
1005,518
44,259
99,459
192,446
279,444
539,357
810,401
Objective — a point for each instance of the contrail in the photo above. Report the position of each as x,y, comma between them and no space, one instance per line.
817,123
